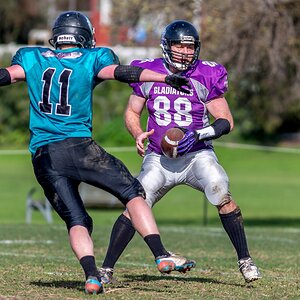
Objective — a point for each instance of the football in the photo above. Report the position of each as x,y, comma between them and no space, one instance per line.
169,142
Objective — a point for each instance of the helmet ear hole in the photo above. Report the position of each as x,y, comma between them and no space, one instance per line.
51,42
82,39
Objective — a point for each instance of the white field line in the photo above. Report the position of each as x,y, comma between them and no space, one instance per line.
216,143
37,255
13,152
258,147
9,242
219,232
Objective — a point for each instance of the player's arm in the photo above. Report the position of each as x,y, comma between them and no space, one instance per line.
11,75
223,124
131,74
133,122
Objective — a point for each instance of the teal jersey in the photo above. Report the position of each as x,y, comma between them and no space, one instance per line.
60,87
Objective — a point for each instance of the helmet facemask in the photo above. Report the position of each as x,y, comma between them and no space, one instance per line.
179,60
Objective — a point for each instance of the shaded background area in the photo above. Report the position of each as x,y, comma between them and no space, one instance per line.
257,41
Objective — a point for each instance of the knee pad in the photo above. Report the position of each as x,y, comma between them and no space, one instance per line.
217,193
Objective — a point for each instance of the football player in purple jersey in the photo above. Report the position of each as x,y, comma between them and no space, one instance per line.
197,165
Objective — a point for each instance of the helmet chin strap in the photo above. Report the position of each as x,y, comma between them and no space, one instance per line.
180,66
173,69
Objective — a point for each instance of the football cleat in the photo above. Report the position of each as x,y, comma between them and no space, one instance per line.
106,275
248,269
174,262
93,286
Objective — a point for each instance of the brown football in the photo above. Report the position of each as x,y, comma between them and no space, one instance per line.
169,142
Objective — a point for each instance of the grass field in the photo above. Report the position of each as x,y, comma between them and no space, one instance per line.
37,263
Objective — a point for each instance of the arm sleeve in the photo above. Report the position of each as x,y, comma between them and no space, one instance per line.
219,84
17,58
105,57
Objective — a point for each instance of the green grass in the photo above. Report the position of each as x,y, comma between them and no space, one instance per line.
265,184
37,263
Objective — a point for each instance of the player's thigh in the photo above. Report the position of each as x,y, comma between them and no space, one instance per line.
154,178
206,174
64,197
105,171
62,193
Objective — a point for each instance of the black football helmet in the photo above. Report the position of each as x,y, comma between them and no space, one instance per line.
183,32
70,28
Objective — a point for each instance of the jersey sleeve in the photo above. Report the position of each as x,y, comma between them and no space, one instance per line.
17,58
105,57
219,84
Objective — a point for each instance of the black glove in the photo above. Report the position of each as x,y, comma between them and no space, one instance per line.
177,82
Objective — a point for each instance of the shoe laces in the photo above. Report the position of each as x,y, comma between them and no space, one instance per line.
106,275
104,271
246,264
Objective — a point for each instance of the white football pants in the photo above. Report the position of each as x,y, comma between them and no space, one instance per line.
200,170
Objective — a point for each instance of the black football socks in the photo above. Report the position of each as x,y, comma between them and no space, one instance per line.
89,266
154,243
233,225
121,234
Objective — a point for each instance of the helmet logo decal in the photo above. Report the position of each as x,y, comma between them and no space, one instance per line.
188,39
66,38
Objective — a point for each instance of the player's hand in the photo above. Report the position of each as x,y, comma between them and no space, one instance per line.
187,142
140,141
178,82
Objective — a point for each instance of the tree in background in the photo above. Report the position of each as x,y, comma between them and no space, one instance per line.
133,17
18,17
259,42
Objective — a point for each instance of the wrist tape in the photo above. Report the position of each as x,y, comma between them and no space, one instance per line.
128,74
214,131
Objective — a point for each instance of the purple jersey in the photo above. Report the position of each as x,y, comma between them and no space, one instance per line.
168,107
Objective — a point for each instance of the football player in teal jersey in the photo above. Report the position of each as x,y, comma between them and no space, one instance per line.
60,86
